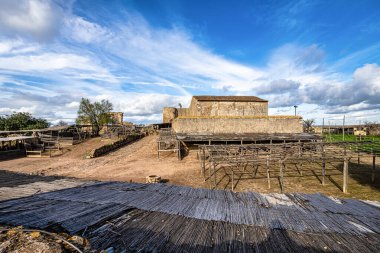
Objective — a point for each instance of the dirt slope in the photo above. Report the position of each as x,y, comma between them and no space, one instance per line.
130,163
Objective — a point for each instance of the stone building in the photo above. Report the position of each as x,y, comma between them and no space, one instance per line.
117,117
229,115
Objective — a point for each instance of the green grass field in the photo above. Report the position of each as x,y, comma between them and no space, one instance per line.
363,147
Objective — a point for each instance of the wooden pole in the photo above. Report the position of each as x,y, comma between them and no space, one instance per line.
323,125
358,151
209,174
282,166
345,175
329,131
232,180
178,150
268,173
373,167
158,149
203,161
344,119
323,165
214,166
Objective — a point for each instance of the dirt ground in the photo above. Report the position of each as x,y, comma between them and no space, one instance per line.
139,159
130,163
15,239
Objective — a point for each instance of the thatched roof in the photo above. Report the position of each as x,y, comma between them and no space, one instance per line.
166,218
230,98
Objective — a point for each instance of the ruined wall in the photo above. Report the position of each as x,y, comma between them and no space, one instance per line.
117,117
238,125
169,113
221,108
113,146
183,112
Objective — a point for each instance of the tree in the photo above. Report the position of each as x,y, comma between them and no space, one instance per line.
373,128
22,121
97,114
62,123
308,125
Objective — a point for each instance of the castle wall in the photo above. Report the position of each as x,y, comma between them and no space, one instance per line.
224,108
238,125
168,114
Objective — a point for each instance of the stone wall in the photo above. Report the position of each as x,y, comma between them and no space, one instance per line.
221,108
168,114
239,125
117,117
113,146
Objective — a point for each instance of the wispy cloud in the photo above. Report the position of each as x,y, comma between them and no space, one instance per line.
141,68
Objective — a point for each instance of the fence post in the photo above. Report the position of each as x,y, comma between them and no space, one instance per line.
373,167
158,149
345,175
268,175
323,165
282,166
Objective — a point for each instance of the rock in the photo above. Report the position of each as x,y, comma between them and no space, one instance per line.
35,234
77,240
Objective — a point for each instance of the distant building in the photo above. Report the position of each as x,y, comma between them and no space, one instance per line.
117,117
228,115
338,129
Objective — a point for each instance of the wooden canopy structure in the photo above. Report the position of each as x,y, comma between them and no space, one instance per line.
237,162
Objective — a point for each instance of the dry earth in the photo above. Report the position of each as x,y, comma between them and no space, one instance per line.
130,163
139,159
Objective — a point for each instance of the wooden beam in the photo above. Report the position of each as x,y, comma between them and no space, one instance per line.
373,168
345,175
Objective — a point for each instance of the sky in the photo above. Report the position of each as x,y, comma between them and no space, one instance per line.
143,55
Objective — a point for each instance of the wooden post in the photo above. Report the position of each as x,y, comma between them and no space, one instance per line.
268,173
232,180
345,175
357,150
282,167
214,166
373,168
209,175
203,157
158,149
178,144
344,119
323,125
323,165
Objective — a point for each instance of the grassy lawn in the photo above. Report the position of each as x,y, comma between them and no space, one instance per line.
362,147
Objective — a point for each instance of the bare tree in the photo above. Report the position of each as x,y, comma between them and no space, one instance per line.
373,128
308,125
62,123
97,114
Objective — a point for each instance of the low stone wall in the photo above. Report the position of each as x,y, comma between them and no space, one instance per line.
238,125
113,146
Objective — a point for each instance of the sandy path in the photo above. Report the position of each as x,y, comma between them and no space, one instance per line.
130,163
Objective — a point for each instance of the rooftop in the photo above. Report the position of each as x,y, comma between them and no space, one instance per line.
167,218
230,98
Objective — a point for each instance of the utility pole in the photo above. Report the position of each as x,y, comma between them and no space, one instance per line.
344,119
323,125
295,110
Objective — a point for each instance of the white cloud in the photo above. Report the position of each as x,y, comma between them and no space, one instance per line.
84,31
37,19
73,105
16,46
136,66
69,65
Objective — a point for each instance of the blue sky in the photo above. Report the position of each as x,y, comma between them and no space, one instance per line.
323,56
